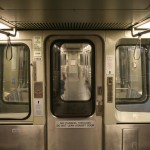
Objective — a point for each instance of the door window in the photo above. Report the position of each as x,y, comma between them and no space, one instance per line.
75,80
72,82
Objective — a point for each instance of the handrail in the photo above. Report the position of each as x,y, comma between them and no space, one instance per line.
8,33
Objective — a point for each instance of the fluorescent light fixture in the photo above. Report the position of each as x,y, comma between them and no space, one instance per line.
143,27
143,24
4,26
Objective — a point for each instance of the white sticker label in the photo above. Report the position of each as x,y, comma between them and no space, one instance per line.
37,42
110,64
37,53
75,124
38,107
37,58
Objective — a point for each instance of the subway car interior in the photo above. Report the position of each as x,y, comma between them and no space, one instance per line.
74,75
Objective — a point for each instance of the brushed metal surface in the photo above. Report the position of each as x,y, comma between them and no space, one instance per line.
127,137
22,137
130,139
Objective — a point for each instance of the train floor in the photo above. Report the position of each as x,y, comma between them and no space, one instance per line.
76,89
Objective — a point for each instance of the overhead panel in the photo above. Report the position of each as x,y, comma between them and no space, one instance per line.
72,26
69,14
70,4
69,19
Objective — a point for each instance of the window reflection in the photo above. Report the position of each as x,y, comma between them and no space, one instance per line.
130,74
16,82
75,71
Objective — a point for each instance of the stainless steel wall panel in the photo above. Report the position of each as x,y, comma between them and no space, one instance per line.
130,139
22,137
127,137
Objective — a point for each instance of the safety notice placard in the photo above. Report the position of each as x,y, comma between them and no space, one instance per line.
110,64
38,107
37,42
75,124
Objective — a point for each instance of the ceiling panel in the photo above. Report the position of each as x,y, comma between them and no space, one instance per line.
74,14
74,4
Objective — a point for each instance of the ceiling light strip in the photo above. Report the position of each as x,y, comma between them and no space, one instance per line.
139,33
142,25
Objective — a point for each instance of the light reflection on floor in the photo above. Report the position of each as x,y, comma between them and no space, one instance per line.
76,89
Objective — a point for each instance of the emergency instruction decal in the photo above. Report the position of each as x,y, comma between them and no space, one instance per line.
37,42
38,107
37,46
110,64
75,124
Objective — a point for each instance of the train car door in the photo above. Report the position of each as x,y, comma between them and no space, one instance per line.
74,81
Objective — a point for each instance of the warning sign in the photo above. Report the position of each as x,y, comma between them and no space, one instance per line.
75,124
37,42
38,107
110,64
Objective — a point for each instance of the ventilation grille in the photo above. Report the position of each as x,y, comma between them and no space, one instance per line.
72,26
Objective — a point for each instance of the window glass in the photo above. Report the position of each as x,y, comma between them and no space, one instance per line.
130,74
14,80
75,78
